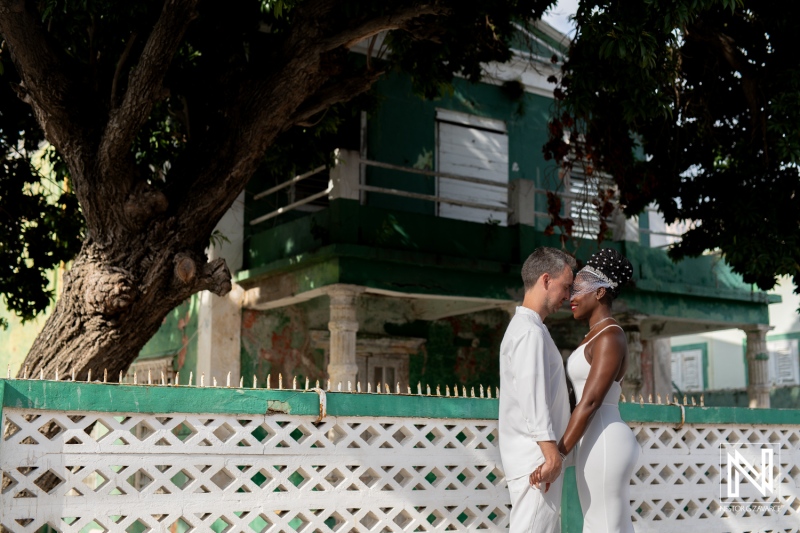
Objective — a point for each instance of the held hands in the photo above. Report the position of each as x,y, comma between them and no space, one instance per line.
547,472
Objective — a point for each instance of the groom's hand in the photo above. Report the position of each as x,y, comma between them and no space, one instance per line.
549,471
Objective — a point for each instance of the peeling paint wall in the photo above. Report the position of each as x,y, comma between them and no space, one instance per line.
279,342
177,336
459,350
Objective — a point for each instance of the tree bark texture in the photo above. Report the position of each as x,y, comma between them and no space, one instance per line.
144,248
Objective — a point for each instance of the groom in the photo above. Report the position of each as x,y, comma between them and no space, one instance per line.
534,405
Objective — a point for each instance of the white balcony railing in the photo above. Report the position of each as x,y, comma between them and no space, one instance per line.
526,204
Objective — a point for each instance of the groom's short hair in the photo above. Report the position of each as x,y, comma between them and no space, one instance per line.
545,260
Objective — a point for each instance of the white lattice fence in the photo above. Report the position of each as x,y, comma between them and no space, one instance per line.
85,470
678,485
250,473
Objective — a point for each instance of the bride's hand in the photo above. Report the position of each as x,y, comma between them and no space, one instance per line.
536,479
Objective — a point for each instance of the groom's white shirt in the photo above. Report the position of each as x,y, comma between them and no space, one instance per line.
534,402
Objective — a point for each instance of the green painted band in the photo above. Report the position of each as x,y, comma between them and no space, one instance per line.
79,396
762,357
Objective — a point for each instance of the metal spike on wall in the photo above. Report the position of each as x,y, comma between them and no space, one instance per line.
641,400
203,379
472,392
294,382
25,373
177,378
191,377
73,374
419,388
455,391
397,388
149,377
280,381
349,386
489,392
447,391
378,388
386,388
650,398
408,387
241,382
694,403
88,378
329,384
307,383
255,382
702,401
135,378
339,387
9,374
369,387
622,398
214,381
164,379
438,391
481,391
358,386
685,400
41,374
464,391
228,380
428,389
105,375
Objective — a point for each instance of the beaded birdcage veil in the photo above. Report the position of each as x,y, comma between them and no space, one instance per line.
605,269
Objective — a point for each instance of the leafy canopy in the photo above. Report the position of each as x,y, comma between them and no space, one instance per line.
694,105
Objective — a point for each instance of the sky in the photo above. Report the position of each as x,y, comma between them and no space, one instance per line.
558,16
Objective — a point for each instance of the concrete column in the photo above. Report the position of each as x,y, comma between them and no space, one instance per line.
219,319
661,350
219,329
757,365
632,384
522,201
345,175
343,325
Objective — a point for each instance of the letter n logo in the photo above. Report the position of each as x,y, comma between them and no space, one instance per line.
738,466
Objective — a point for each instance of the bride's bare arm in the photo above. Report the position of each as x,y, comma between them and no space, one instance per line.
608,351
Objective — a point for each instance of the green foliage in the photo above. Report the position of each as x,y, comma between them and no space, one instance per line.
40,221
693,105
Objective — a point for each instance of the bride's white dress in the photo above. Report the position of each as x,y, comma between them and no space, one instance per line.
604,457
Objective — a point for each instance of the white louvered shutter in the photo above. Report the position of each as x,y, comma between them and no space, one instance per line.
474,147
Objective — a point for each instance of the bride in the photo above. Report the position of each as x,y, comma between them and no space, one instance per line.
606,451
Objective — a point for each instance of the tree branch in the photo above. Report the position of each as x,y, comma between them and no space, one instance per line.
263,109
145,86
359,30
334,94
117,71
45,83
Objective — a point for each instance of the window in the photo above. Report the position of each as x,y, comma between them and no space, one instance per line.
384,370
582,200
474,147
783,362
687,368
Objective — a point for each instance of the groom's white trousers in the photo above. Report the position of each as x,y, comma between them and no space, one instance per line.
533,511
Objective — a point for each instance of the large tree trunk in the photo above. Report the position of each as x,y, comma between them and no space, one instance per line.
115,298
